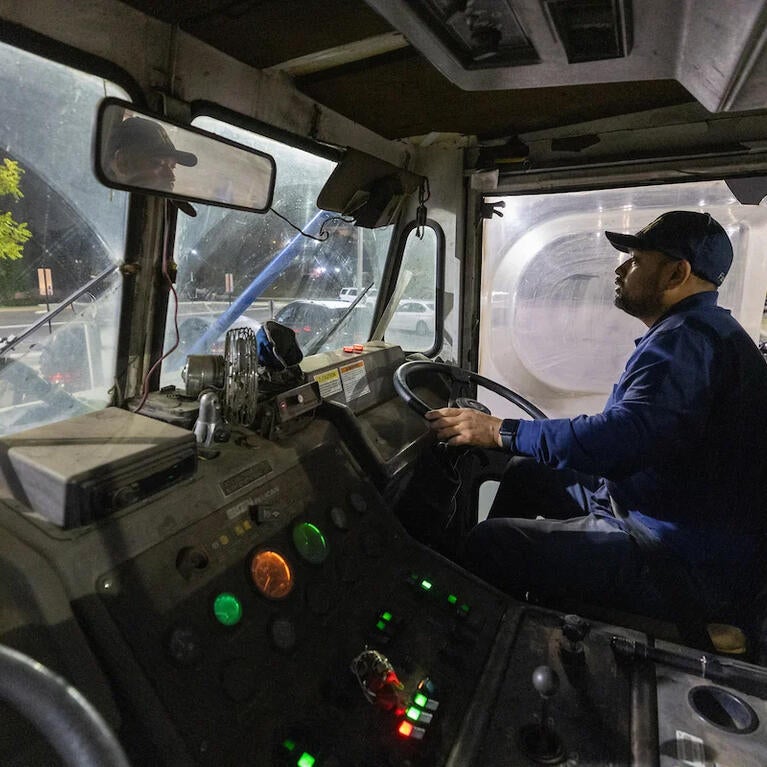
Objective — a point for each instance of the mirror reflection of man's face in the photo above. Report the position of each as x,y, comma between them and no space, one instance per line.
133,166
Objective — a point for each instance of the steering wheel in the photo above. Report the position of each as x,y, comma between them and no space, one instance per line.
460,381
64,717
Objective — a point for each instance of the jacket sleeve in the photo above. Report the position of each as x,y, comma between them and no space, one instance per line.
659,406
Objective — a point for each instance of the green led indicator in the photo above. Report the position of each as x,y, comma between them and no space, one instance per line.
305,760
413,713
227,609
426,585
380,625
420,699
452,598
289,744
386,616
465,608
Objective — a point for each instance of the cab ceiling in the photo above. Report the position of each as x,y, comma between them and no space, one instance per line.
398,67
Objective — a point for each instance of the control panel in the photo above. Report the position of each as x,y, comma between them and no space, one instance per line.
298,625
254,625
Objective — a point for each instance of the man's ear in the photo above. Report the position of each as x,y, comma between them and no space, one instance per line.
678,274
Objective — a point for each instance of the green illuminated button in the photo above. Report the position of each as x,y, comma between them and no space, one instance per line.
452,599
289,744
414,714
420,699
227,609
310,543
305,760
426,585
386,616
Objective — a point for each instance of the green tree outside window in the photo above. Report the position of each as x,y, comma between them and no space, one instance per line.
13,234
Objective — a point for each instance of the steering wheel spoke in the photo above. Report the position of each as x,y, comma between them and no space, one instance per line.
460,383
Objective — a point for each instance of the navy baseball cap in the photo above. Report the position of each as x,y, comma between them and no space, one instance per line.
149,137
683,234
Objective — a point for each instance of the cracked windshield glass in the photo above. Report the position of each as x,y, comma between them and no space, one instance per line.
239,269
61,241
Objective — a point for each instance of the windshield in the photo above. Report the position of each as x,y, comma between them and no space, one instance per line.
61,235
240,269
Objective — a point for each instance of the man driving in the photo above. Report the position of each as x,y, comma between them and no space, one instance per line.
671,472
140,153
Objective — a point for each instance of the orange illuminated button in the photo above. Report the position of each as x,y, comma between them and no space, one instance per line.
271,574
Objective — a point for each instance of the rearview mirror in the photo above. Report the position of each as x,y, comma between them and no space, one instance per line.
137,151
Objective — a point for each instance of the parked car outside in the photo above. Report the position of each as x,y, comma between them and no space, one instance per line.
414,317
348,294
312,319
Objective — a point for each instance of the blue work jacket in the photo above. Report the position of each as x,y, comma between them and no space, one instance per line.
682,441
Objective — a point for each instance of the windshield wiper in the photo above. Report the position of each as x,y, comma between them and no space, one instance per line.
318,342
54,312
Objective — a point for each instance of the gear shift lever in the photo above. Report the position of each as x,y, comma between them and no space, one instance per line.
538,740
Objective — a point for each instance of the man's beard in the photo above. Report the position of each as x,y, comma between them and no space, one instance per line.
640,306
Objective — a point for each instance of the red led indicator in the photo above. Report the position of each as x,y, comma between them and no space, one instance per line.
405,729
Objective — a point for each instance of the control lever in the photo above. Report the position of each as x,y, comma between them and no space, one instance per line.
210,425
574,631
537,739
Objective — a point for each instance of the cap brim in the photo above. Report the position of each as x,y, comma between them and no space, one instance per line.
624,242
185,158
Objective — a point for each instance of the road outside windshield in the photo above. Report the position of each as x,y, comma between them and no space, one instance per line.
239,269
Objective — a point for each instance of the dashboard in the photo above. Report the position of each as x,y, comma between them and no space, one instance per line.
268,608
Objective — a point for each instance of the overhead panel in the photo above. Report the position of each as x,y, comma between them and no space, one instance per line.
479,33
592,30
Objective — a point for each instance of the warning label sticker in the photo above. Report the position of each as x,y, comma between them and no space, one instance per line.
329,381
355,380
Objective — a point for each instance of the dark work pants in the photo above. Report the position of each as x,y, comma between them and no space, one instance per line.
578,551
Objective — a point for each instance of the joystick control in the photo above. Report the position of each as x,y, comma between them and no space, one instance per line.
537,739
574,631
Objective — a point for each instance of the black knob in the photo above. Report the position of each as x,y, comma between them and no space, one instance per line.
184,646
575,628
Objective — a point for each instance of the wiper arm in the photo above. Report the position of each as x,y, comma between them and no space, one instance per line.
60,308
317,342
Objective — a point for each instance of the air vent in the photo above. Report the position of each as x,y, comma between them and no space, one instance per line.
479,33
592,30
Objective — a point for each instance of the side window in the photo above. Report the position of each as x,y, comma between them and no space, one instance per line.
417,325
61,241
548,326
289,314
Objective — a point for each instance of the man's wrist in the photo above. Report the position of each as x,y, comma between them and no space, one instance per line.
508,433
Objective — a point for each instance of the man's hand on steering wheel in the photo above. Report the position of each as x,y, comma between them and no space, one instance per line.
465,426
